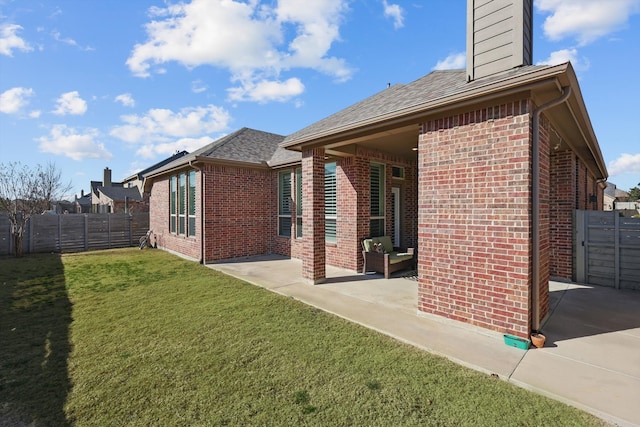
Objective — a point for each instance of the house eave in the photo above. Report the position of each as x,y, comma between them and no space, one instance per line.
518,83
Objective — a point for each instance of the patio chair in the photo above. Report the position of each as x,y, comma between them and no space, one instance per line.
381,256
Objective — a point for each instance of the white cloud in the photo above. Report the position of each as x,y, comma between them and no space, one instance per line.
197,86
67,141
150,151
251,39
452,62
10,40
394,12
35,114
71,42
266,90
13,100
126,99
159,126
567,55
586,20
625,164
70,103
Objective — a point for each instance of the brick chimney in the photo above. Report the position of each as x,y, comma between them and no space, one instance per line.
106,180
499,36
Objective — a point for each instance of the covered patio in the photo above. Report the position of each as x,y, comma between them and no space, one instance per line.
591,359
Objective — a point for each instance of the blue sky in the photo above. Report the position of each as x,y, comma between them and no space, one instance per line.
124,84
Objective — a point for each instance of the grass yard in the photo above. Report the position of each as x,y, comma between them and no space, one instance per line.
144,338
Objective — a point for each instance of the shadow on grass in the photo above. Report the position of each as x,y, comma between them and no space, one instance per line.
35,315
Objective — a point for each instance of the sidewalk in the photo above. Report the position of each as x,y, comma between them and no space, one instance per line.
591,359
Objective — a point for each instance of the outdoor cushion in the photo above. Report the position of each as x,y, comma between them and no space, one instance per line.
368,244
386,243
395,257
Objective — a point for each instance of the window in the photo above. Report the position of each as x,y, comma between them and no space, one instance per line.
299,203
284,204
376,224
330,202
172,204
182,203
192,204
397,172
182,181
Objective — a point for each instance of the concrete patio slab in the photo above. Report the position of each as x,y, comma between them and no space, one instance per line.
591,359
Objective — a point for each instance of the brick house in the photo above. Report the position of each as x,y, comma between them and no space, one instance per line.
479,169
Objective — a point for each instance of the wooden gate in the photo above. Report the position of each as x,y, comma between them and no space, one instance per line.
607,249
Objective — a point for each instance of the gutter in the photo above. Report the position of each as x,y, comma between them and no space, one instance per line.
535,203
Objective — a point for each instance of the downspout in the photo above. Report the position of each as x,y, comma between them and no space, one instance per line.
202,247
535,203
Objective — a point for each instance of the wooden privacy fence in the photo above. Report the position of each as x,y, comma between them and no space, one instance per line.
607,249
76,232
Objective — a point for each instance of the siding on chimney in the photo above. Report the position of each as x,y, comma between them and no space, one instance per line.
499,36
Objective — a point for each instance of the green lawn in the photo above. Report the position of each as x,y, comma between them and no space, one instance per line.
130,337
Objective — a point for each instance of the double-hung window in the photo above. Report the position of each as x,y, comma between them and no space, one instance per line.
173,199
330,202
284,203
298,202
376,224
182,187
182,203
191,229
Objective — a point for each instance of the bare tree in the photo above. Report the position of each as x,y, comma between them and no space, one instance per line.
25,192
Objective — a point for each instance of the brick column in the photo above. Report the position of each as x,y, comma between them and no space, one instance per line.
353,212
313,234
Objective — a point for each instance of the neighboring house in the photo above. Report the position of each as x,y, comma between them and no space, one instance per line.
610,196
115,197
616,199
479,169
83,203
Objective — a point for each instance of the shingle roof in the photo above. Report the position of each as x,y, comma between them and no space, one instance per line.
161,163
282,156
120,193
398,98
245,145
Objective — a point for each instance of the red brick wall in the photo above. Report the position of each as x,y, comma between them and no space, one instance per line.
313,251
572,187
563,196
159,220
240,212
474,218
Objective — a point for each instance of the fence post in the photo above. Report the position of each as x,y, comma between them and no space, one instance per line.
130,218
580,245
109,230
616,245
86,232
30,228
59,233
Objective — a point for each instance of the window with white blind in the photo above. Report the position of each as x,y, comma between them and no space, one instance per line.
182,203
299,203
191,229
376,224
173,198
284,203
182,188
330,202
